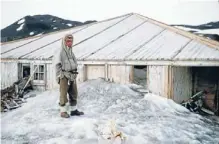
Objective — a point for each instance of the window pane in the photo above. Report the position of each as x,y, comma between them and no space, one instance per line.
36,76
41,76
41,68
36,70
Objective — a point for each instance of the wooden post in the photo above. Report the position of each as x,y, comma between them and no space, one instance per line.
84,73
106,72
170,83
147,77
131,74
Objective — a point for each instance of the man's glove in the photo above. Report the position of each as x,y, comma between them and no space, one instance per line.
74,76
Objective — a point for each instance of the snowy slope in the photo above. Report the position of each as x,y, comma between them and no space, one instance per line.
142,119
37,24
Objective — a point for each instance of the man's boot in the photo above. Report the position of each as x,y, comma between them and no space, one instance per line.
63,111
75,112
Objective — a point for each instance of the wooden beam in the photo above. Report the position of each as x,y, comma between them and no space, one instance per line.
106,72
131,74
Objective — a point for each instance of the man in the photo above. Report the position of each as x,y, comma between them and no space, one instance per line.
66,73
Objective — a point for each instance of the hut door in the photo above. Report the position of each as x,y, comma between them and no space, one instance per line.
23,70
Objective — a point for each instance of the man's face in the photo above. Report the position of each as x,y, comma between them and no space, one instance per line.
68,42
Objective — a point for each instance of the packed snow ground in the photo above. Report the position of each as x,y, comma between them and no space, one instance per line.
144,119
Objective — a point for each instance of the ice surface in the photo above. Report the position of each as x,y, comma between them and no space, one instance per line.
31,33
20,27
21,21
69,25
147,119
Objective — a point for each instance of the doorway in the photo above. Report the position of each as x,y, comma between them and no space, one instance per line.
140,75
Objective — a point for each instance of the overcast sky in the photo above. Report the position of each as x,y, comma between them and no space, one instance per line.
168,11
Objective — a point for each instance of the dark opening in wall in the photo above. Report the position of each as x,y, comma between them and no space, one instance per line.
207,79
140,75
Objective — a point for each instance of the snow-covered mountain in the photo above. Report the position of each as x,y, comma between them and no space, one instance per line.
209,30
35,25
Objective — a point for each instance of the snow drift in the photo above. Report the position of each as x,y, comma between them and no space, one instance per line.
147,119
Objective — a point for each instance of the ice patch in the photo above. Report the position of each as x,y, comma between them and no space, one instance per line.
31,33
20,27
21,21
69,25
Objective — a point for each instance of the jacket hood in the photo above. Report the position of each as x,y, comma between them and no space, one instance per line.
63,41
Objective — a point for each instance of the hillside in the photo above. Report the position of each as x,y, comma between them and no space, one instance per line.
36,25
209,30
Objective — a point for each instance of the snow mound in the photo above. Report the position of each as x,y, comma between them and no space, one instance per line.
55,28
69,25
31,33
21,21
20,27
150,118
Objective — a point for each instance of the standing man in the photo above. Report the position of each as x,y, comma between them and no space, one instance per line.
66,73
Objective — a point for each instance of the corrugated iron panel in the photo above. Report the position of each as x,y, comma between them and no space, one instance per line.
198,51
92,45
126,45
163,47
12,45
83,34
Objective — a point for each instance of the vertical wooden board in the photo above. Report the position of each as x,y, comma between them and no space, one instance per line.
128,72
50,76
95,71
131,74
9,73
182,83
81,73
156,79
106,72
119,73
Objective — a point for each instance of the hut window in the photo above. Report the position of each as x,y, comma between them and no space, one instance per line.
39,73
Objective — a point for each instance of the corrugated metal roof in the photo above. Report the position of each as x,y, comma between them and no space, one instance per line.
128,44
197,51
109,36
12,45
37,44
163,47
80,36
129,37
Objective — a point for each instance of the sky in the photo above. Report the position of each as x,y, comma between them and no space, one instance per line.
168,11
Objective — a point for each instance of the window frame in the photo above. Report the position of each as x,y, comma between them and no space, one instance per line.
39,72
